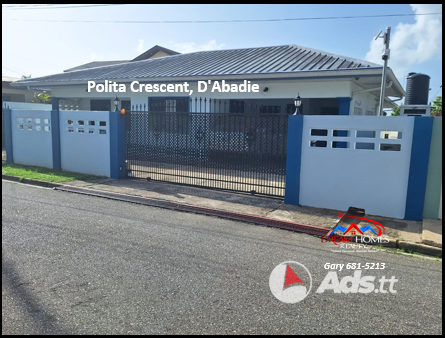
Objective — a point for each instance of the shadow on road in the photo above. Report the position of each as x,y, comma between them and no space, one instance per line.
40,321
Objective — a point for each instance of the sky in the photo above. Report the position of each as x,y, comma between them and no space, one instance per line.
41,41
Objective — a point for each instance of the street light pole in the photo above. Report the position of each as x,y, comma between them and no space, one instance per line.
385,57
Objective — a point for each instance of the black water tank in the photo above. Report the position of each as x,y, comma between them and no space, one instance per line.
417,89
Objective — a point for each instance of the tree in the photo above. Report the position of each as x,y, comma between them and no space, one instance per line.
396,111
24,77
42,98
437,106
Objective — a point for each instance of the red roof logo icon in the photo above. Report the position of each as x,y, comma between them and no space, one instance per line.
353,227
291,277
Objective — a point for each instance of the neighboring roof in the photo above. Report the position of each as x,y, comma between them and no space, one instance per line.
96,64
144,56
152,51
9,79
262,60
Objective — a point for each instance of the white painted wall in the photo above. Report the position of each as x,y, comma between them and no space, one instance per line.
85,152
365,101
337,178
27,106
31,138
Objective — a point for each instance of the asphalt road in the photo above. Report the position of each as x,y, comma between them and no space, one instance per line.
74,264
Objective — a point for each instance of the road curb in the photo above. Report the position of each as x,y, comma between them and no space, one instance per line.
30,181
303,228
407,246
270,222
420,248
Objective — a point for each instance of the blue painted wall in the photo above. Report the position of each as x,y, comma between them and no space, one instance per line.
418,171
293,165
345,103
7,120
117,146
55,132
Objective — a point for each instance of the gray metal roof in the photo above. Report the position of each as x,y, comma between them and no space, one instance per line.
152,51
262,60
96,64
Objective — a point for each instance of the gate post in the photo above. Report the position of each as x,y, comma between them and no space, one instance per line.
418,168
293,160
118,168
7,125
55,133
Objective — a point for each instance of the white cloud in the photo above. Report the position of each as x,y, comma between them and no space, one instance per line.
412,44
190,47
140,48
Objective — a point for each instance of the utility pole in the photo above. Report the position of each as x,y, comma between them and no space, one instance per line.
385,56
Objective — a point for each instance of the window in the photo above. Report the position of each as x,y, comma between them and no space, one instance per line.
163,118
169,105
290,109
270,110
100,105
126,104
237,106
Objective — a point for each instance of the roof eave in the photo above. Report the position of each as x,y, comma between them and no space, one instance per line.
310,74
396,84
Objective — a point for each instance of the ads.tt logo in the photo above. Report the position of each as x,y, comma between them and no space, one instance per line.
290,282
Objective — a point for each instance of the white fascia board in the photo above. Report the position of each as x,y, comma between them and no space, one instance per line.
307,75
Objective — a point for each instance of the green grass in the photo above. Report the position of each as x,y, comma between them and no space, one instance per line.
400,251
43,174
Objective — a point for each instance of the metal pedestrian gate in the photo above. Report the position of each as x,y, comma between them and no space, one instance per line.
229,151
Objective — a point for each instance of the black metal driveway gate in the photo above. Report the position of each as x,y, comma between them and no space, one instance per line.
230,151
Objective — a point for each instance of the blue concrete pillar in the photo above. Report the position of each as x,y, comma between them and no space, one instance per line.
55,134
418,170
7,120
117,145
293,164
345,103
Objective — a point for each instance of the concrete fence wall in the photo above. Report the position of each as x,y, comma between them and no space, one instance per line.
85,142
360,168
376,163
31,137
26,105
433,197
381,164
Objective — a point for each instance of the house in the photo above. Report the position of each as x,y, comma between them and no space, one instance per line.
152,53
328,84
74,104
16,94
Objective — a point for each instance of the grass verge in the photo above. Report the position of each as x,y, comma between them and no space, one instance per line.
44,174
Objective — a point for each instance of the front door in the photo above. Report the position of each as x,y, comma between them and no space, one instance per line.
126,104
